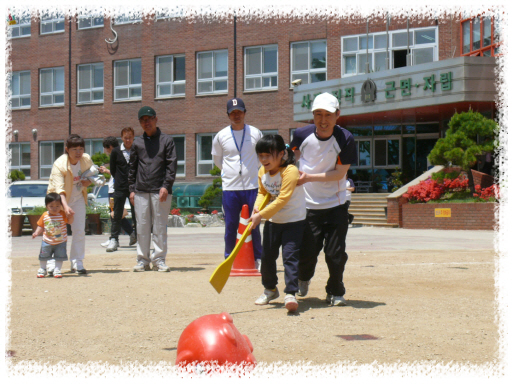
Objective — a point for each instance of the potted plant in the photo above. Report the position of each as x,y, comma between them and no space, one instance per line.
17,224
34,214
93,219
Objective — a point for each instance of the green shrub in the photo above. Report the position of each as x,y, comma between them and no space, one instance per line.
16,175
212,191
441,175
37,210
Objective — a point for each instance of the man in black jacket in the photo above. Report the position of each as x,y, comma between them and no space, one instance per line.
119,167
153,164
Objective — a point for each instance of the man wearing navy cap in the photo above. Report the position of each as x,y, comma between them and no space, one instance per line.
153,164
234,153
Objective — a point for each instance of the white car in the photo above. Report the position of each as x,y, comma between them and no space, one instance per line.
99,195
25,195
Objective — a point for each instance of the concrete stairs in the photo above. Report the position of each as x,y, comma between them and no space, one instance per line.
369,210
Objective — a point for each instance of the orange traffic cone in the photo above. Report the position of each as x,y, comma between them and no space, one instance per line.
244,262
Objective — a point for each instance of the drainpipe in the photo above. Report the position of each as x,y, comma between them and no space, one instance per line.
387,41
409,62
367,69
234,35
69,74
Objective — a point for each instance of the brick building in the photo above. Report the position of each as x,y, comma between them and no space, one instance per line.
67,79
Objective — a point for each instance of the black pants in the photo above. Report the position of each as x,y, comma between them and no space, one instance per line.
119,200
327,229
289,236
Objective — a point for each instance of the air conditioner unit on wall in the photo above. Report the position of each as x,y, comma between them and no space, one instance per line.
183,202
194,201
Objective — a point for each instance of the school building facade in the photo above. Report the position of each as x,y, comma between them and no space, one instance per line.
398,82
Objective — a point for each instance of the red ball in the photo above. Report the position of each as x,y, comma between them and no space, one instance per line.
214,338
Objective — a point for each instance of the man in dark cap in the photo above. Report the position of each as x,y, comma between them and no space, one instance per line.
153,164
233,151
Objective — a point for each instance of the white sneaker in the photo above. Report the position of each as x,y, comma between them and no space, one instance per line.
112,245
257,264
337,301
161,267
141,267
105,244
303,287
41,272
290,303
267,296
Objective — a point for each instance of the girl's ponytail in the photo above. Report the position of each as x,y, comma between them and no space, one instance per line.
290,158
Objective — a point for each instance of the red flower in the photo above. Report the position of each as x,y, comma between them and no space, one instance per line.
215,212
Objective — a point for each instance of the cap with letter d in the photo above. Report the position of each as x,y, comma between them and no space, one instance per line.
325,101
236,103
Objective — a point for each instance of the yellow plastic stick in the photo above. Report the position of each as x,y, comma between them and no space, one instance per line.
220,276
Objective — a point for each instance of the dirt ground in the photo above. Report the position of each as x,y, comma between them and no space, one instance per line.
427,306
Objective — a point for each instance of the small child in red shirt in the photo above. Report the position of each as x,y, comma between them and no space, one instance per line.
52,224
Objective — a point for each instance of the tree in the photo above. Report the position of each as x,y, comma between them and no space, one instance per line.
469,135
213,190
16,175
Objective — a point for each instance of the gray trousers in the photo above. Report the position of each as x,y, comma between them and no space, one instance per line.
150,212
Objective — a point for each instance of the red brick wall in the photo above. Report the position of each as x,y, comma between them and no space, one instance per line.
192,114
394,211
482,179
463,216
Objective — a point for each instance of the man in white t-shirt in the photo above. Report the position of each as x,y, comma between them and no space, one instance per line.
234,153
325,151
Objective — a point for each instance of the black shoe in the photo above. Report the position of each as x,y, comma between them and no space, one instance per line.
82,271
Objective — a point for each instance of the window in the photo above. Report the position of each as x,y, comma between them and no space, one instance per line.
93,146
49,151
20,158
127,19
21,28
270,132
478,38
422,43
179,143
127,80
20,88
51,86
364,150
386,152
90,83
52,23
466,40
170,76
204,154
168,14
309,61
212,72
261,67
88,22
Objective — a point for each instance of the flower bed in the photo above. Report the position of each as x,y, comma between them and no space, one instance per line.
444,201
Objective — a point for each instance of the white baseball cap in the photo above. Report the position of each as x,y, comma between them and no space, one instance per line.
326,101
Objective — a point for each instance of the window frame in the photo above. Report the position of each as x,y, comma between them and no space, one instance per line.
48,166
310,70
171,83
386,139
214,78
123,20
91,143
21,96
21,166
198,152
357,140
53,93
91,89
494,46
129,86
262,74
23,23
53,20
91,17
182,162
373,52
